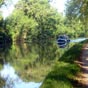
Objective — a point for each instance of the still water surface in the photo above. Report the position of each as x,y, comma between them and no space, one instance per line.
13,80
26,65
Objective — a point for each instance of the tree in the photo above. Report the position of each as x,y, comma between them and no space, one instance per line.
77,9
4,2
38,20
1,2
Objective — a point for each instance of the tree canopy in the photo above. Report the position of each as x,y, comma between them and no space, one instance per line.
77,9
1,2
35,19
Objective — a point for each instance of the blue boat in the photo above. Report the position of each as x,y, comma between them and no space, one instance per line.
63,41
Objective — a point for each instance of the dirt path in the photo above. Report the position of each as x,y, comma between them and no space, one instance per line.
83,63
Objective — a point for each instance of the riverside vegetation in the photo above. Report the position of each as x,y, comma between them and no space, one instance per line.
36,22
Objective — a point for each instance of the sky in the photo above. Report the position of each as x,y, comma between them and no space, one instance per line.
13,80
7,10
58,4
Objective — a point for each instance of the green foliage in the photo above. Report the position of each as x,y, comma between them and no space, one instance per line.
1,2
1,20
72,54
38,21
4,2
61,76
77,9
65,70
19,25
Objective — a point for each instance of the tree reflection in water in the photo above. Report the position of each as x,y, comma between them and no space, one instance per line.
32,62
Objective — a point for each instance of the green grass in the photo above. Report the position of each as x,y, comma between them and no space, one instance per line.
65,70
60,76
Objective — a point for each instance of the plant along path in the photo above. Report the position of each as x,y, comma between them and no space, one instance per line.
83,63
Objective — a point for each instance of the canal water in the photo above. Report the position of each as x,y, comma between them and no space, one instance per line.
13,80
25,65
79,40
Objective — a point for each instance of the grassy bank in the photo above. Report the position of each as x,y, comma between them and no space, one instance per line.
65,70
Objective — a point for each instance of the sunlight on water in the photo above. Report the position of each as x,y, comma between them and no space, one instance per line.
13,80
78,40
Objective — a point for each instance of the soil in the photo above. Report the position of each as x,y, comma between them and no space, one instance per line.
83,63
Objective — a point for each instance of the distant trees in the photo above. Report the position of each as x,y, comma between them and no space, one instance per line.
77,10
1,2
4,33
34,19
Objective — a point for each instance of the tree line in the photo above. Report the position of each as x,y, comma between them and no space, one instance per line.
36,20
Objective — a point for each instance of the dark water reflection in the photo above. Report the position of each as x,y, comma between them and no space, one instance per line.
4,51
32,62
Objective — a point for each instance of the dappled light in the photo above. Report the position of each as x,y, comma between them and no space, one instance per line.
42,44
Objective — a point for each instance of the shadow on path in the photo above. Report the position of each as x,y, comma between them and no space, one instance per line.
83,63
